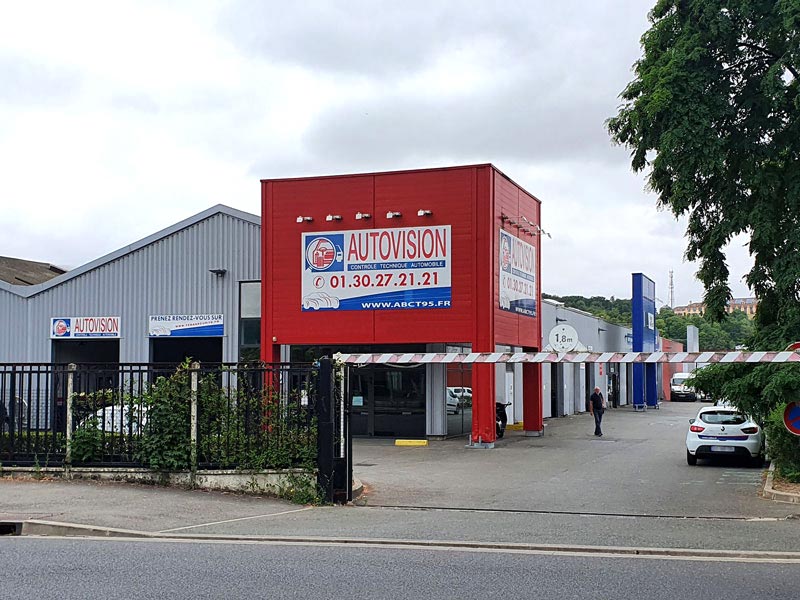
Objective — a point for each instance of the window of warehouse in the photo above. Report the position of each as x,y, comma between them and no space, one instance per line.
249,321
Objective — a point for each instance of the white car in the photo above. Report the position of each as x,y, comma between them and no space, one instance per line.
724,431
453,402
319,300
462,392
121,419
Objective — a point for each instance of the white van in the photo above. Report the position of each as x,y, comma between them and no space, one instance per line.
679,391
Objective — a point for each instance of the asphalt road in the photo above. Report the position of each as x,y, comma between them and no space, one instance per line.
637,468
39,569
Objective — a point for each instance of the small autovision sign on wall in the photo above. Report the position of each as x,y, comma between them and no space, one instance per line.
84,327
517,275
377,269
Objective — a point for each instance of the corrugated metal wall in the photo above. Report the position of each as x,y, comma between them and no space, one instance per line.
13,311
168,276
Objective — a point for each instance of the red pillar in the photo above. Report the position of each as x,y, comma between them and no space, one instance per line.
483,404
532,399
483,375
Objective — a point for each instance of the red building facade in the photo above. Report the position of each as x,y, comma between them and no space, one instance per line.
389,260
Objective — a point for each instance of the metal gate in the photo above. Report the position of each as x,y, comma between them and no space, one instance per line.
335,443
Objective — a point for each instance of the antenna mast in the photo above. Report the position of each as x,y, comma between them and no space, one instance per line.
671,290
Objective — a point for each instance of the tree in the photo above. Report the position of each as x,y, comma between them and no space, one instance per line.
713,114
612,310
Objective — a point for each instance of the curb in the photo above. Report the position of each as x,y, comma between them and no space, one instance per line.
772,494
52,528
358,487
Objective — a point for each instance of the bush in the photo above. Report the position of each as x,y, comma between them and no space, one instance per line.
783,446
165,445
87,442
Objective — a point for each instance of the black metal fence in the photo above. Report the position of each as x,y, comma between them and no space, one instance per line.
32,414
158,415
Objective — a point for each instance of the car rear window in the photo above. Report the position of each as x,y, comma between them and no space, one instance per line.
722,417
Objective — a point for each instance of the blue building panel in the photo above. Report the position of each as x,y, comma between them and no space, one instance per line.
643,309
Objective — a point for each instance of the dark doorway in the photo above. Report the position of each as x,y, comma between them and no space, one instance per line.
613,386
557,390
98,369
385,400
179,349
589,381
85,351
388,401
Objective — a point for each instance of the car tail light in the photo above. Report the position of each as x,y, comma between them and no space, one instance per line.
696,428
749,430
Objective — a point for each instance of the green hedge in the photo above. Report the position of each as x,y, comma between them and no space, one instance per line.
783,446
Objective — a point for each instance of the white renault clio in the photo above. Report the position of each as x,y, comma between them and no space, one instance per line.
723,431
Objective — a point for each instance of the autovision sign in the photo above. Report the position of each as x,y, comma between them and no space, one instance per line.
84,327
377,269
517,275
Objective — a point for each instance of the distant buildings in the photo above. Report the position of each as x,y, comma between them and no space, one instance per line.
747,305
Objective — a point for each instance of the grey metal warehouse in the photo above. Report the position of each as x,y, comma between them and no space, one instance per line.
191,289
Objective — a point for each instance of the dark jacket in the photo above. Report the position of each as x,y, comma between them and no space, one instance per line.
597,401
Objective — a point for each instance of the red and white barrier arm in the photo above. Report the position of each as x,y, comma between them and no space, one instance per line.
571,357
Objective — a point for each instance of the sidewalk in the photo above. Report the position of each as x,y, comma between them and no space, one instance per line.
525,490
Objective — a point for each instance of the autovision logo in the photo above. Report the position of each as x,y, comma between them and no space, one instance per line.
61,327
324,253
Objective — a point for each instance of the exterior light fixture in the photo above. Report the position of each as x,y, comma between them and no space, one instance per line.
365,216
393,214
424,213
218,272
302,219
333,218
559,320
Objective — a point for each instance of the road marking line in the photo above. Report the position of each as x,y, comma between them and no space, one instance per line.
286,512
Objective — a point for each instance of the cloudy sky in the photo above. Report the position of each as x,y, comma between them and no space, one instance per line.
118,119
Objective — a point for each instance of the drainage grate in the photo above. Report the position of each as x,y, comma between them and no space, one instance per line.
10,528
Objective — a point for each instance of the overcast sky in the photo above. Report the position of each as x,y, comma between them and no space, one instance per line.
118,119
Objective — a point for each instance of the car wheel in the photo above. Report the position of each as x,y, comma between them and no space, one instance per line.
691,458
757,461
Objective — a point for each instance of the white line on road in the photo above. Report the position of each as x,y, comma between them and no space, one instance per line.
285,512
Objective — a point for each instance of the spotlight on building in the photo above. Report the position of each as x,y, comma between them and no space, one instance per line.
393,214
424,213
333,218
302,219
365,216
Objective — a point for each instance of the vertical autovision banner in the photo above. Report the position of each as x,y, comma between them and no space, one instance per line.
517,275
377,269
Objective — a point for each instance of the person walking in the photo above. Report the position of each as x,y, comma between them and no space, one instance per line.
597,406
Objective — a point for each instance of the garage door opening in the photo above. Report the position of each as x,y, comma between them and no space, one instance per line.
85,351
176,350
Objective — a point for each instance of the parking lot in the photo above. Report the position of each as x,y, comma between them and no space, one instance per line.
637,468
